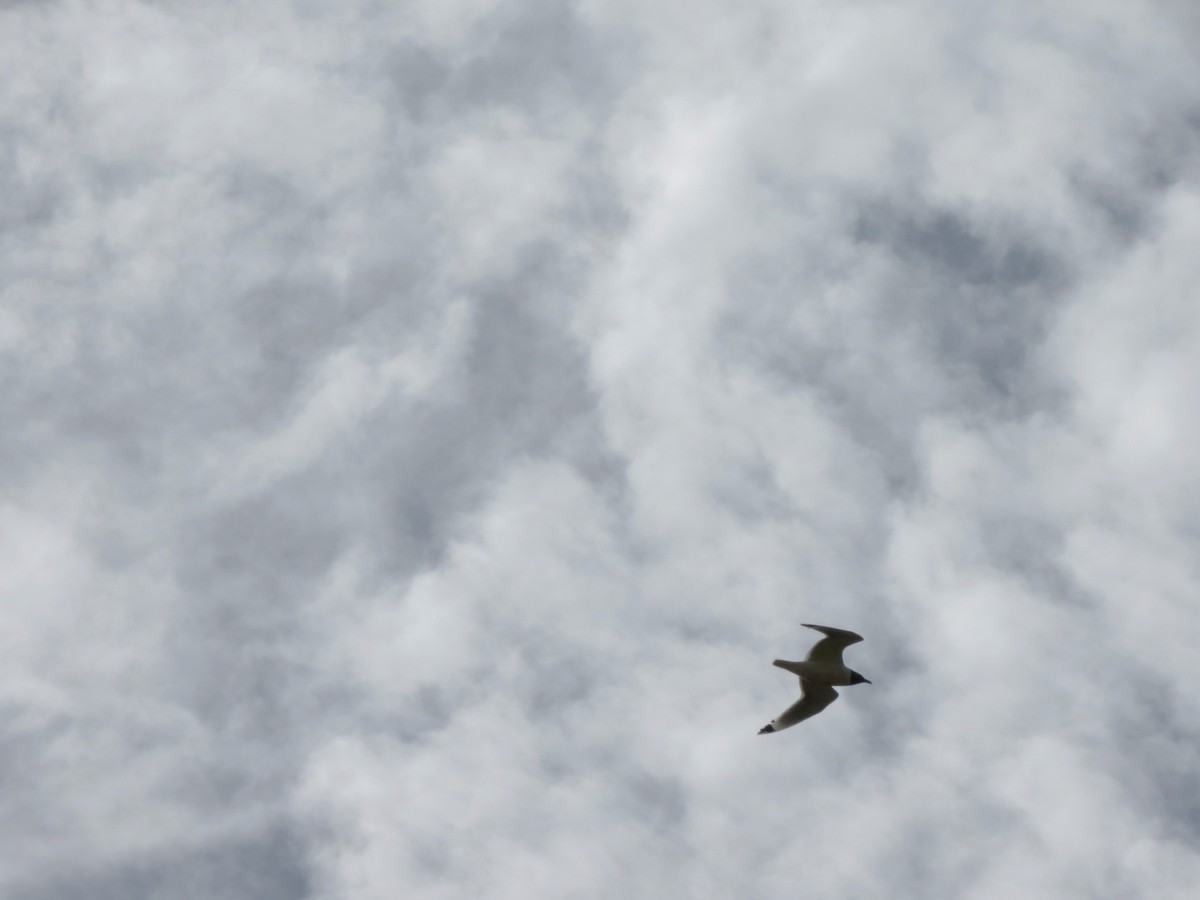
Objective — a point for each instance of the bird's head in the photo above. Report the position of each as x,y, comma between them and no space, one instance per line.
856,678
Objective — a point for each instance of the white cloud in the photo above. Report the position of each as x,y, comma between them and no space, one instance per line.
425,425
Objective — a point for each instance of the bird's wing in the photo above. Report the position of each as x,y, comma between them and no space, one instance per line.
829,648
814,697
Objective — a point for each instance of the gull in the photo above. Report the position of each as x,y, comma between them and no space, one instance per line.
820,671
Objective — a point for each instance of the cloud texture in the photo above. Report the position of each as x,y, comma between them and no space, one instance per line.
424,422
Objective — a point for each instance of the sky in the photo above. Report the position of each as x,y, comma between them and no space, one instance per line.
424,422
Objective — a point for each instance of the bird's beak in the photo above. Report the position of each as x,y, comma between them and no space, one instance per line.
867,681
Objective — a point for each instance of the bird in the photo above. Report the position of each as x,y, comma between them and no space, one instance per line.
820,671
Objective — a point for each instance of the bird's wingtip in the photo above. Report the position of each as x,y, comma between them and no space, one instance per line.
766,729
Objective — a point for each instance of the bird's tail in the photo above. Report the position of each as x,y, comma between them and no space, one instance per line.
793,667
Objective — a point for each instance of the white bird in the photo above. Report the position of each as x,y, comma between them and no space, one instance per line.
820,671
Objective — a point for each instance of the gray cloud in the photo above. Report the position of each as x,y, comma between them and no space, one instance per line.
424,424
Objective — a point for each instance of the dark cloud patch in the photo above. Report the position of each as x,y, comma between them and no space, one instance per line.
977,300
951,245
271,866
31,202
418,74
539,58
539,54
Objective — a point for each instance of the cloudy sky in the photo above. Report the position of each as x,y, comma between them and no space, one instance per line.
424,422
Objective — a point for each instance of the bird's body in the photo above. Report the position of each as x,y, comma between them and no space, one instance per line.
819,672
815,670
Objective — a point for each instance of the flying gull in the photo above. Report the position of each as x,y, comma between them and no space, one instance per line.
820,671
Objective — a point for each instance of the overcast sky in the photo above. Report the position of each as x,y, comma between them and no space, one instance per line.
422,424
